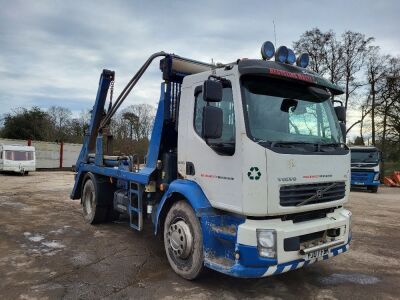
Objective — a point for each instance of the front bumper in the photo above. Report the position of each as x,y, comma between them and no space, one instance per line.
364,178
238,270
249,264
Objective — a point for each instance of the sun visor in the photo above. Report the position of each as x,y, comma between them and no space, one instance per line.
286,72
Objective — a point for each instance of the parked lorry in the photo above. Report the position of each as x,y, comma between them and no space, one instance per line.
17,158
246,171
365,167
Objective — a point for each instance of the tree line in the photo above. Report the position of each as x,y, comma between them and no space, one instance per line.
371,82
130,128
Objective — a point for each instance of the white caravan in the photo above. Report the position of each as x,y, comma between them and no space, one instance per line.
17,158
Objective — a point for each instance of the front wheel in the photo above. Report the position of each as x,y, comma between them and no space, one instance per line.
373,188
183,241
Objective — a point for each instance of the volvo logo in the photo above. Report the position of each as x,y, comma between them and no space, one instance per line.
319,194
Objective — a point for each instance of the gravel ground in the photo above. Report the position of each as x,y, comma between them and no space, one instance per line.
48,252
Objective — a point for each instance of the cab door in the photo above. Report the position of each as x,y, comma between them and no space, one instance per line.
215,164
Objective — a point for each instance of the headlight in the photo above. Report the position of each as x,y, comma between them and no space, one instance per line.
266,242
376,177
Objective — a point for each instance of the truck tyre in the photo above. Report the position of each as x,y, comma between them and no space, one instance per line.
373,188
93,211
183,241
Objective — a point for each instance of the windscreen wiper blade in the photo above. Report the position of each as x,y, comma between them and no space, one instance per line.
276,143
333,144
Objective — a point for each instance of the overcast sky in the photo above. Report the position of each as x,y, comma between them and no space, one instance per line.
52,52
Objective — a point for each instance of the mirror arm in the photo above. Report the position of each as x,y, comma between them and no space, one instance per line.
223,80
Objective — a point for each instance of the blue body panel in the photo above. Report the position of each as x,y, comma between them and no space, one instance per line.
191,191
364,178
155,141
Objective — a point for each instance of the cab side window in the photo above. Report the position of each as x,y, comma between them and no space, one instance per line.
225,145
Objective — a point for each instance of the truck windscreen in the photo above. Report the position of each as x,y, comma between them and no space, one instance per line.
290,112
364,157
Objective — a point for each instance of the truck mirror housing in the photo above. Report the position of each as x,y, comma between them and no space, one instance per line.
212,122
212,91
343,129
340,113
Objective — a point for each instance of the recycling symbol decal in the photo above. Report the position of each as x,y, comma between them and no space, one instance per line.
254,173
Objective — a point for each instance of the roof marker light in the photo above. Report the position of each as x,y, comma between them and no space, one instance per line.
303,60
267,50
281,54
291,57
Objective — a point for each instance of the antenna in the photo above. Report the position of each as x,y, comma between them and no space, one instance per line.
273,22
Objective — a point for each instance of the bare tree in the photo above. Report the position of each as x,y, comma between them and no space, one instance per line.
134,122
60,117
355,46
334,58
314,42
141,117
376,67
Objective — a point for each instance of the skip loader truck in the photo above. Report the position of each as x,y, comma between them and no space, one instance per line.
246,172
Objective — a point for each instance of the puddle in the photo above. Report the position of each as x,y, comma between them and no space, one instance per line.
349,278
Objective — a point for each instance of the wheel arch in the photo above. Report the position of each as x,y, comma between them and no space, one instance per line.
181,189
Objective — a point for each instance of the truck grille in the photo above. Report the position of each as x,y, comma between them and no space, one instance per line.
291,195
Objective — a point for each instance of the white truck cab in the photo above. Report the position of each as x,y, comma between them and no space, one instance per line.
280,160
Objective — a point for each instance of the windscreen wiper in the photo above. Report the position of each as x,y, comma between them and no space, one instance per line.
277,143
333,144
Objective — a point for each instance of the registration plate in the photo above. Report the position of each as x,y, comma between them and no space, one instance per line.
358,183
316,254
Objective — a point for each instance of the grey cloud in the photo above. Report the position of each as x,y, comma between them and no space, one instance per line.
56,49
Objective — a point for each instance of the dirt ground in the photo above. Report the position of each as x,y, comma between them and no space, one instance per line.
47,251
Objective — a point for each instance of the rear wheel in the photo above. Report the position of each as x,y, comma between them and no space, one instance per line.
93,211
183,241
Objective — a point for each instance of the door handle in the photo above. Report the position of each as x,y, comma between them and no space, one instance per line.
190,168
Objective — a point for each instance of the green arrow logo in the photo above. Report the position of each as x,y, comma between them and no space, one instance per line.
254,173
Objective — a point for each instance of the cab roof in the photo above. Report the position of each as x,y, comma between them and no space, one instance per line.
281,70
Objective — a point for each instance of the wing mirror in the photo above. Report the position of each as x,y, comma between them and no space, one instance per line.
212,122
212,91
341,113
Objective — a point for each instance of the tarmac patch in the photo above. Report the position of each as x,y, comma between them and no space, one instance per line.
349,278
5,201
